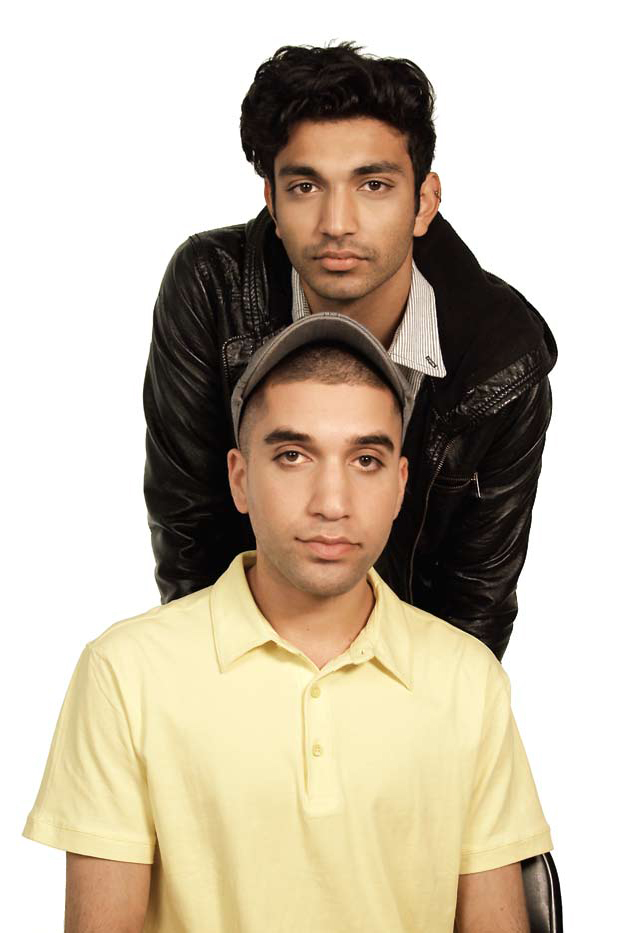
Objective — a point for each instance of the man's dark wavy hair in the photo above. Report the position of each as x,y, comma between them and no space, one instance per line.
335,83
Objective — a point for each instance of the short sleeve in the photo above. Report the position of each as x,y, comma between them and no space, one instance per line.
505,822
93,799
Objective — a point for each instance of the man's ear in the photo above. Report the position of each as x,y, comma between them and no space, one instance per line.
429,202
267,193
237,476
402,479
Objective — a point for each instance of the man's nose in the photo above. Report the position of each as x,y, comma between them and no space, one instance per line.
331,493
338,214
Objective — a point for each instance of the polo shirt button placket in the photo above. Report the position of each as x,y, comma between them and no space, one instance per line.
322,790
317,748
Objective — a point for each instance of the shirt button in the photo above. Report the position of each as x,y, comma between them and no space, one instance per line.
317,750
315,691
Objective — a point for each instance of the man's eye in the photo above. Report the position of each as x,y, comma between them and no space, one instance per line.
374,184
289,456
368,462
303,187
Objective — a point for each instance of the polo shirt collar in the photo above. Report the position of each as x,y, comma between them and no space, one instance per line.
385,637
239,626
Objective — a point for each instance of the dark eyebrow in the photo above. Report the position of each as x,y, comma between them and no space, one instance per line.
373,440
373,168
288,436
285,435
379,168
305,170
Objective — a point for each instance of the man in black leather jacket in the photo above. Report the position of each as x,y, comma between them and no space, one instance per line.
345,144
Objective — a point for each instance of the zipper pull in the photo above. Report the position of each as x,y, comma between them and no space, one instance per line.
478,488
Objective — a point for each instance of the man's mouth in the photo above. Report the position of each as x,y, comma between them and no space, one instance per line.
339,260
328,548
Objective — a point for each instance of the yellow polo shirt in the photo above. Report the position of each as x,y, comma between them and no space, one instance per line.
274,797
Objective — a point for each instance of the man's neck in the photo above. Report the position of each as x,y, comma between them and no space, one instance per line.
380,311
321,627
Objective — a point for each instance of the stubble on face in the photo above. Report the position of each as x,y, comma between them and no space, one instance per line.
308,574
376,269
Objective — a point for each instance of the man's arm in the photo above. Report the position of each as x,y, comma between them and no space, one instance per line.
195,528
492,902
504,822
104,896
473,580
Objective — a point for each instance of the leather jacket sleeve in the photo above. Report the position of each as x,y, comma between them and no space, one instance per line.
195,527
473,578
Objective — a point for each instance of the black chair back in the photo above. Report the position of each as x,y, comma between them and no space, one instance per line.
543,895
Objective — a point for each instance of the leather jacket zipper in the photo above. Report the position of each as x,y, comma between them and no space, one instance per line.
470,479
423,518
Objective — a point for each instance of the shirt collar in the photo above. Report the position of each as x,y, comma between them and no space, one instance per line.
240,627
416,344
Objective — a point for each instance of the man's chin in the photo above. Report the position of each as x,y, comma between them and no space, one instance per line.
340,286
328,579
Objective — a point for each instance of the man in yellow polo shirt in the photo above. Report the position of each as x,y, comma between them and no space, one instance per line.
294,749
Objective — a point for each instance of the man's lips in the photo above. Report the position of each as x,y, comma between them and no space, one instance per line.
339,261
329,548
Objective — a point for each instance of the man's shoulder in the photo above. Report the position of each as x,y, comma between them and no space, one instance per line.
451,664
178,626
234,245
442,656
230,240
489,332
237,276
211,251
429,635
444,640
470,292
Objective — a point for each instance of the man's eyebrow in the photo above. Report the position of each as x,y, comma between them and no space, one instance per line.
290,171
379,168
290,436
285,435
372,168
372,440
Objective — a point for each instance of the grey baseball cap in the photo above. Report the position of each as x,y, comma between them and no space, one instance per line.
317,328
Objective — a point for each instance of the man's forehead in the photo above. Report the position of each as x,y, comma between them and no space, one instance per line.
361,140
322,411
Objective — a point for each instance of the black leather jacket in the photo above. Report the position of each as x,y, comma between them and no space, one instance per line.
474,443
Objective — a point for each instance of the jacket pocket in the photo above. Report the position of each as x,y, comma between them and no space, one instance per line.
447,483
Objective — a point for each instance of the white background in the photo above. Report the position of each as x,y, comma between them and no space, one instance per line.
121,139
